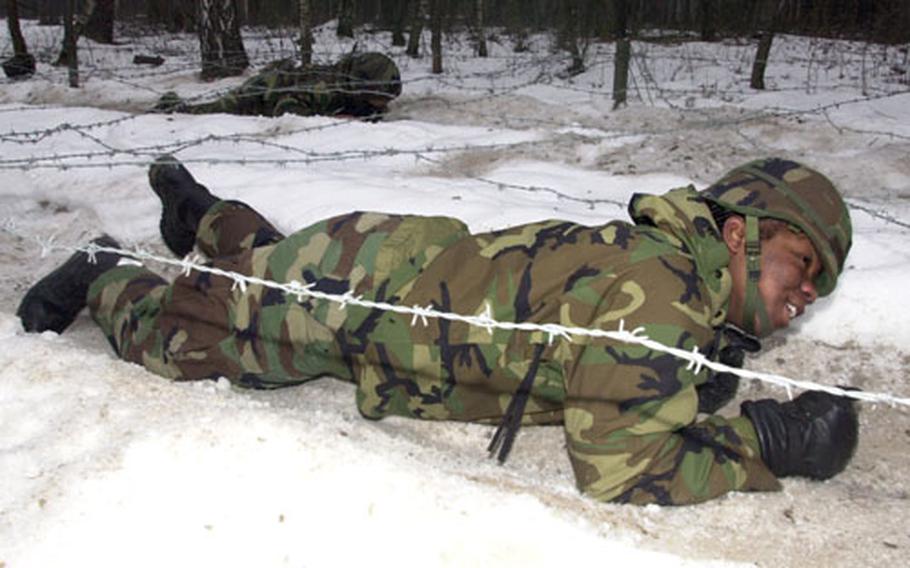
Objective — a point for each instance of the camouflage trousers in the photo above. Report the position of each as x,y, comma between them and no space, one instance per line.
204,326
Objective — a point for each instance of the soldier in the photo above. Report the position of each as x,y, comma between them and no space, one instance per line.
752,251
359,85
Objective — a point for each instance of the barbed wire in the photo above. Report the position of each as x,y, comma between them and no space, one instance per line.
108,155
590,202
877,213
422,314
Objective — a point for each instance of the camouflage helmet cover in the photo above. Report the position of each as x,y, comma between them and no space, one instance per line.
789,191
372,72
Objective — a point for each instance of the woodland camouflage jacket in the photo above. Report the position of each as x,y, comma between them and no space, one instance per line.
345,88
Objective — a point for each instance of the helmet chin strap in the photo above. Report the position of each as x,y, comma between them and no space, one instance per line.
753,304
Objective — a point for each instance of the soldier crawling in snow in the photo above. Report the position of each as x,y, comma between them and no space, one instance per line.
707,270
360,85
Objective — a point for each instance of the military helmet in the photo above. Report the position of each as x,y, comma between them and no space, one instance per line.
372,72
804,198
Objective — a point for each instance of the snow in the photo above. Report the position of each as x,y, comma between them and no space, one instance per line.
105,464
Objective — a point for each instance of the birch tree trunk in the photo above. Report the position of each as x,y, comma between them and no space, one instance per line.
221,45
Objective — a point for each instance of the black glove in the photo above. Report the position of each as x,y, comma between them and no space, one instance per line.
813,436
720,388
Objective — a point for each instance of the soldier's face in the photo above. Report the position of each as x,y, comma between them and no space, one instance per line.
789,266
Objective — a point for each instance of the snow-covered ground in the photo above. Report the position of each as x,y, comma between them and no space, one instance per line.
105,464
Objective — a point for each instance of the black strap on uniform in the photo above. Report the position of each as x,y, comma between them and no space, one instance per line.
508,427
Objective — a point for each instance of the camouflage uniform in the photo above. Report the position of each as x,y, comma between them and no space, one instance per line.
629,412
349,87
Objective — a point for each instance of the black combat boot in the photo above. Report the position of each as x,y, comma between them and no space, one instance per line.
183,203
55,300
813,435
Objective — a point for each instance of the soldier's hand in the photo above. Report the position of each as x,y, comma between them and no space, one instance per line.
814,435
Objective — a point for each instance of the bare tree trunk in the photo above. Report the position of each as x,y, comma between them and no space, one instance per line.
418,15
569,37
102,9
481,32
69,43
436,34
100,23
305,40
221,45
621,72
623,52
400,7
22,63
766,36
345,19
49,13
517,25
174,15
761,60
15,31
707,20
76,24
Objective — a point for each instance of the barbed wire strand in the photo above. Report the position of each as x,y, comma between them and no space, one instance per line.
422,314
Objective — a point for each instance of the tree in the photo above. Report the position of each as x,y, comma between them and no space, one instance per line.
481,33
49,13
769,15
95,20
707,20
345,18
400,8
221,45
623,52
418,15
69,44
305,39
436,35
569,37
516,24
175,15
99,25
22,63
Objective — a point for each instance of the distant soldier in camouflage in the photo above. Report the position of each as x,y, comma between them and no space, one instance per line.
360,85
750,253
